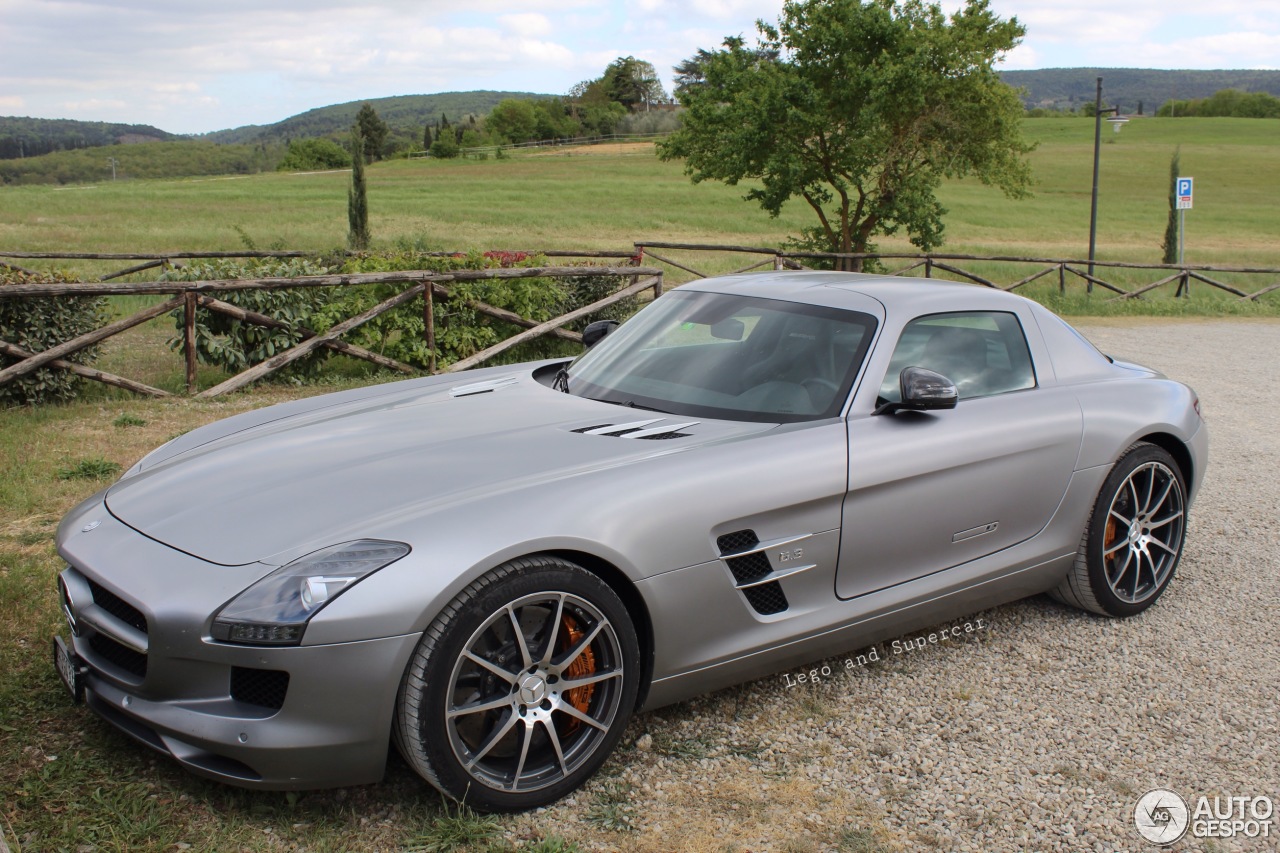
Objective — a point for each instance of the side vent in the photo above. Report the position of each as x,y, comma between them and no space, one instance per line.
651,430
742,553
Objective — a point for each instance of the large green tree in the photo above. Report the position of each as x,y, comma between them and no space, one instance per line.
633,83
513,120
860,109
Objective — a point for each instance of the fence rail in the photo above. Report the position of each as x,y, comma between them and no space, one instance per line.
1182,274
187,296
152,260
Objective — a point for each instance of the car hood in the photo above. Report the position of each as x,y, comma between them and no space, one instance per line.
338,472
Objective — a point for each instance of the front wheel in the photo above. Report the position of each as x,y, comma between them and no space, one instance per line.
522,686
1134,537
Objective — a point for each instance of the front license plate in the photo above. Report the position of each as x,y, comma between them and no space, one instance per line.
69,669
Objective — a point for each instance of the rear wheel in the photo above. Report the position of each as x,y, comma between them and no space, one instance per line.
521,687
1134,538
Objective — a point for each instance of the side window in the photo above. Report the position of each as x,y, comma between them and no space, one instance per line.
982,352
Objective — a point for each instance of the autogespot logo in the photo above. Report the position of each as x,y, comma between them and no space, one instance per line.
1161,816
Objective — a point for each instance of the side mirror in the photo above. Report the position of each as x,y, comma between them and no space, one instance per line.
592,334
922,391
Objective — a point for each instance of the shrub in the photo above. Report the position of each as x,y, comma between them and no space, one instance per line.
445,147
228,343
461,330
585,289
38,323
309,155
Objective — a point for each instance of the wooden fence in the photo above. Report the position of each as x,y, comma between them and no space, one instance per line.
1065,271
430,287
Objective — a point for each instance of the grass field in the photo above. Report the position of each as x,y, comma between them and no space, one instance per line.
609,197
68,782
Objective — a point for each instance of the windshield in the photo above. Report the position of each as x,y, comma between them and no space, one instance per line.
732,357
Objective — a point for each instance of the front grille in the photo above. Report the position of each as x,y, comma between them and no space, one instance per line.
120,656
117,607
767,598
265,688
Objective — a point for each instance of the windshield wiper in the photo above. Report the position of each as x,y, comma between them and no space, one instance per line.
561,381
630,404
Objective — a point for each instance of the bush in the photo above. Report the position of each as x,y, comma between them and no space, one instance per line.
38,323
234,346
445,147
310,155
462,331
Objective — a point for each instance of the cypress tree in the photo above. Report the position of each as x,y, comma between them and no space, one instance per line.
1171,226
357,199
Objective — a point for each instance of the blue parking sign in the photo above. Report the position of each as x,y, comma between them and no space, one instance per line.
1184,194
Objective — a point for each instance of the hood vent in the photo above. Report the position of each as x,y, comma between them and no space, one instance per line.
654,429
483,386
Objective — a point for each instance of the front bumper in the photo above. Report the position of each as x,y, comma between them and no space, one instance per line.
259,717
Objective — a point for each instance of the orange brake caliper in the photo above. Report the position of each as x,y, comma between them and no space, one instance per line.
1109,535
583,665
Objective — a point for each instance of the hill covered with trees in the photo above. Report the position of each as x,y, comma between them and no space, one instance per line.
179,158
1068,89
405,115
21,136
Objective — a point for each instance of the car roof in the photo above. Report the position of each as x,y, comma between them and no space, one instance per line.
848,290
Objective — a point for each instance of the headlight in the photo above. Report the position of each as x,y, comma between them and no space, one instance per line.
275,610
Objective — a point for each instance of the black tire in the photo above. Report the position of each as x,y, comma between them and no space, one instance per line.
1133,541
523,738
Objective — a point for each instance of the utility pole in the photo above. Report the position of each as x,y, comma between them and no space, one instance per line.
1097,142
114,163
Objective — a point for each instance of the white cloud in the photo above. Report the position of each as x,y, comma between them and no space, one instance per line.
94,104
1224,50
528,23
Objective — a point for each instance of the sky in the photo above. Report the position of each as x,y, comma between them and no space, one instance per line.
194,67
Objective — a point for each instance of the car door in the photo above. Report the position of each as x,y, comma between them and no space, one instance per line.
929,491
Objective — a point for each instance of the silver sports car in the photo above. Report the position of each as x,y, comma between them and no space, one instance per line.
496,570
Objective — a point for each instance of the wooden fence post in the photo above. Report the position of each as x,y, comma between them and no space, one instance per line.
1062,279
189,338
928,267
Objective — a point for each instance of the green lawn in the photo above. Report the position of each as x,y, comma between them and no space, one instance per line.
601,200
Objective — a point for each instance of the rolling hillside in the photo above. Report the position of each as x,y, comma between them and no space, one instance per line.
403,113
1070,88
30,137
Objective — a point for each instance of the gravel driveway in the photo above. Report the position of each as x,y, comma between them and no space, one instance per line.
1041,727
